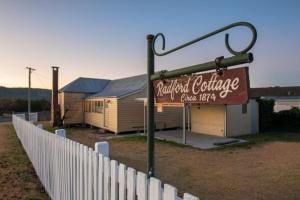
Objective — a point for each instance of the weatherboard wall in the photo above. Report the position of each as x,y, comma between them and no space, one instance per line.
239,123
225,120
107,119
131,114
73,102
126,114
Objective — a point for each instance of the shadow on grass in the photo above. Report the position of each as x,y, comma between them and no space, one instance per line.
252,140
264,138
143,139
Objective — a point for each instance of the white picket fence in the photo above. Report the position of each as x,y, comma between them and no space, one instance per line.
33,117
70,170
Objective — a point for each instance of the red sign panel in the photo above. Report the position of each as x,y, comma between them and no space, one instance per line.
210,88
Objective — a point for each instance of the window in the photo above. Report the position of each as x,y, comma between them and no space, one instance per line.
87,106
99,106
93,106
244,108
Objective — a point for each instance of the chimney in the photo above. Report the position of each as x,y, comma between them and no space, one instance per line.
55,114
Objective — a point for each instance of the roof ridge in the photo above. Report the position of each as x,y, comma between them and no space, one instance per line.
93,78
275,87
128,77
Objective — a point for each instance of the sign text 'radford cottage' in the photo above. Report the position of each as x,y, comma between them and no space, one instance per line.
232,87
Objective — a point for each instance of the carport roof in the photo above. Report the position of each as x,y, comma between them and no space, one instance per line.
275,91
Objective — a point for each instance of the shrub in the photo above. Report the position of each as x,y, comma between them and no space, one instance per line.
265,114
287,120
20,105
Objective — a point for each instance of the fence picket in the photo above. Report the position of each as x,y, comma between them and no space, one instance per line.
131,184
81,188
72,171
78,171
142,186
106,194
187,196
90,174
95,175
154,189
100,177
114,180
85,169
122,181
170,192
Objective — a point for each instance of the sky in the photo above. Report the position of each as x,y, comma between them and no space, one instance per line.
107,39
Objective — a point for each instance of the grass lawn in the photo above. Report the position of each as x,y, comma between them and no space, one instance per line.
264,138
18,179
267,167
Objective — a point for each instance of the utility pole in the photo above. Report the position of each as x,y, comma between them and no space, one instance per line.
55,114
30,69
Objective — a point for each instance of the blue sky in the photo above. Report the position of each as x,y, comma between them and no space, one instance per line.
107,39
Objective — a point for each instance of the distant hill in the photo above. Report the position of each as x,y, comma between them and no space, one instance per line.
21,93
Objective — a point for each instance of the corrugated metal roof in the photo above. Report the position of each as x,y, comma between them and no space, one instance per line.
275,91
123,87
85,85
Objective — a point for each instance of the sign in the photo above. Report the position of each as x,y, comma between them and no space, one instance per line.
210,88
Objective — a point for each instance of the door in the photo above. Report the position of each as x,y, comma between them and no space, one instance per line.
208,119
106,113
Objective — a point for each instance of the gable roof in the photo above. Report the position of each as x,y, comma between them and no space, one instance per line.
275,91
123,87
85,85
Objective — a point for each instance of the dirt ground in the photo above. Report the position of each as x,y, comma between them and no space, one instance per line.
17,177
267,171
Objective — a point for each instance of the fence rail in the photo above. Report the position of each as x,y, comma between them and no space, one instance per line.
70,170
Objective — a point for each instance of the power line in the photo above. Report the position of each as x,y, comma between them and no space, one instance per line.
44,76
41,81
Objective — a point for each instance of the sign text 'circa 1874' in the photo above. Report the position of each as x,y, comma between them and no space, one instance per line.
210,88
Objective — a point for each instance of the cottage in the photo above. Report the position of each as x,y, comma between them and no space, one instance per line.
112,105
117,106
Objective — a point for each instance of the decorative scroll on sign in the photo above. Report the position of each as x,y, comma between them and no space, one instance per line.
230,88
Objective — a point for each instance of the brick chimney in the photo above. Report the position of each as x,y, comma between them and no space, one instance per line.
55,114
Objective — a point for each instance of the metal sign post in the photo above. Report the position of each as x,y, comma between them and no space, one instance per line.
150,108
219,64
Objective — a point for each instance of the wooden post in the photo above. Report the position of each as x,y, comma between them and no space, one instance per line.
55,115
102,148
183,124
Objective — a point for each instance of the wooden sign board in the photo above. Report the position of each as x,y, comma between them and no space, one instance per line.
210,88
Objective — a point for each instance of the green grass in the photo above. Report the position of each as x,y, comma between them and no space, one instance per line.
69,131
252,140
264,138
49,128
22,169
271,137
